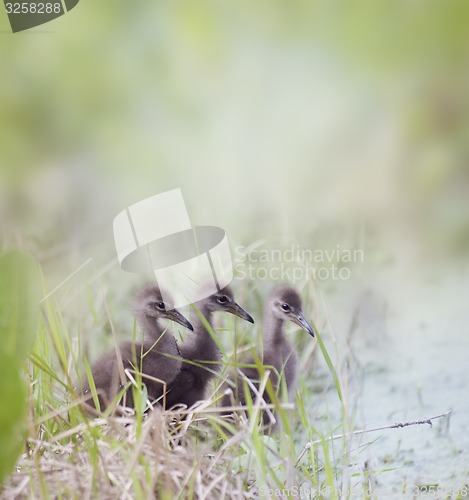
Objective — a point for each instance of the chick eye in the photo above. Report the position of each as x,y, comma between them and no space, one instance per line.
285,307
223,299
160,305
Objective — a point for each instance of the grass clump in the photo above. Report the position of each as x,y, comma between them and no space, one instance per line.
179,453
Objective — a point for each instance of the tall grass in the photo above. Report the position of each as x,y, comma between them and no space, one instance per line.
179,453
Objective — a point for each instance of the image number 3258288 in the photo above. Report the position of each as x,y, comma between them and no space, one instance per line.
33,8
26,15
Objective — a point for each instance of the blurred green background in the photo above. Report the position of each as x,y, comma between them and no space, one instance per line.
310,123
292,121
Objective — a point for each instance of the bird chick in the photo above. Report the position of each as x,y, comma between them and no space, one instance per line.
156,357
200,353
278,355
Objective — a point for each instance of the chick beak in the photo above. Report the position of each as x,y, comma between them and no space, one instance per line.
177,317
300,320
237,310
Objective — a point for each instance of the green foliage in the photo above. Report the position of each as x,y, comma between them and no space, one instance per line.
12,412
19,298
329,365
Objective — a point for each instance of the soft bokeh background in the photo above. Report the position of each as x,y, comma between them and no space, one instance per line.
311,123
275,119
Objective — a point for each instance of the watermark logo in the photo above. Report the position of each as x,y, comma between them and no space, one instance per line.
189,262
29,14
295,264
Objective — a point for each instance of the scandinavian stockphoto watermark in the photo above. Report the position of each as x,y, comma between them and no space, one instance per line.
306,490
295,264
28,14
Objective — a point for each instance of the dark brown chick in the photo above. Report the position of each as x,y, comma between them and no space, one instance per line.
201,351
157,357
278,355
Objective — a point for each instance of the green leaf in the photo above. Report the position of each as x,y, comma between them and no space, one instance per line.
330,365
20,292
12,412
